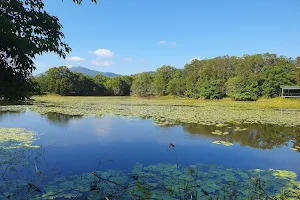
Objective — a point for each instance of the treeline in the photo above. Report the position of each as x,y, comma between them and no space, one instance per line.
62,81
241,78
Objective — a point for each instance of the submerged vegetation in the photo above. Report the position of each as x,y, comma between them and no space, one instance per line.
166,181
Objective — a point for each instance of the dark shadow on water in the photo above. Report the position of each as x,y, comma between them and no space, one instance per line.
8,103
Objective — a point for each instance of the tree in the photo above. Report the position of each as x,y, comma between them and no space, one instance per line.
119,86
102,82
142,84
162,77
212,89
297,71
241,89
191,76
274,77
59,80
26,30
177,84
84,85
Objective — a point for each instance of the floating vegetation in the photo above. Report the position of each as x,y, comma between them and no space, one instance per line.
218,132
17,138
162,121
223,143
18,157
13,108
174,110
165,181
221,125
240,129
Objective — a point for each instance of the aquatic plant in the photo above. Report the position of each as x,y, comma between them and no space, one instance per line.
16,138
160,182
168,111
172,110
18,160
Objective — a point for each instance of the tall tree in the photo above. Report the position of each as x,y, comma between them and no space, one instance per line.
162,77
177,84
276,76
142,85
26,30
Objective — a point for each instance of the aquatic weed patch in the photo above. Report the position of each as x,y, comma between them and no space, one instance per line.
160,182
18,157
17,138
179,110
12,108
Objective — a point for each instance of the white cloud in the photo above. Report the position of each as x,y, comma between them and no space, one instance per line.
162,42
173,44
69,66
102,62
75,58
102,53
127,59
195,58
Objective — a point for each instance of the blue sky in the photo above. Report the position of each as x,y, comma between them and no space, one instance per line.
132,36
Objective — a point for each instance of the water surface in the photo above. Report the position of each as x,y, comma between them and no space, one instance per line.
76,144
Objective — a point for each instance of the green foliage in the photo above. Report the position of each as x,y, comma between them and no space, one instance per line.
243,79
211,89
190,74
26,30
161,80
176,85
61,81
118,86
274,77
241,89
142,85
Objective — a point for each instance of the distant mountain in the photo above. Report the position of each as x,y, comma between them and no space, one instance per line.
89,72
150,72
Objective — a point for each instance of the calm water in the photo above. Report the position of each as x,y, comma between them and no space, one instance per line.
75,145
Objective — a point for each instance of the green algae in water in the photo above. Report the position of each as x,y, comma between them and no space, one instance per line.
166,181
17,138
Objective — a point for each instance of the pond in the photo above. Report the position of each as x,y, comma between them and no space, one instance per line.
116,157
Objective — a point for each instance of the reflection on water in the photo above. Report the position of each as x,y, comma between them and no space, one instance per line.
82,142
262,136
58,118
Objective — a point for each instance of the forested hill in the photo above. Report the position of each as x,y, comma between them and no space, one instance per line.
87,72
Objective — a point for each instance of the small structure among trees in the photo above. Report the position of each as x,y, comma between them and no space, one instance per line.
290,91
